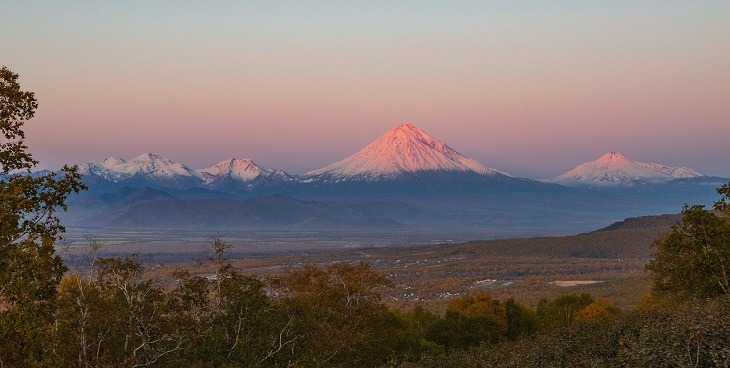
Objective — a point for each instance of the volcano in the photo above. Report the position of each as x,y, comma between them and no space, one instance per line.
402,151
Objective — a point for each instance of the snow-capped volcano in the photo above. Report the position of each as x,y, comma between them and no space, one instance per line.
615,169
402,150
145,169
240,169
158,172
147,164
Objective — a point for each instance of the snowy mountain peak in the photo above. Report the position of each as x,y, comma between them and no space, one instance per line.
242,169
407,127
403,149
112,161
149,157
613,158
150,163
152,166
615,169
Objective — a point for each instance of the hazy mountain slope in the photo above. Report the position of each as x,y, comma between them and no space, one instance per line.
265,211
641,222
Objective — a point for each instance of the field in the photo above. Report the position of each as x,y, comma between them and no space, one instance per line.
423,267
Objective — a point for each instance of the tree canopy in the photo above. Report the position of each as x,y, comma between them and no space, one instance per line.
29,269
693,259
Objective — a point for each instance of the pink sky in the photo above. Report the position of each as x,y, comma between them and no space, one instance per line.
533,90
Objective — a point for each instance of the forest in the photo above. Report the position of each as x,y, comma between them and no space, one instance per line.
109,312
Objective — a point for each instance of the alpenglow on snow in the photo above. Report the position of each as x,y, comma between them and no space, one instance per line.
155,170
403,149
240,169
615,169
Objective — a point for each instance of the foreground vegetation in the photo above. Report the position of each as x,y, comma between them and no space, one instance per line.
687,334
109,312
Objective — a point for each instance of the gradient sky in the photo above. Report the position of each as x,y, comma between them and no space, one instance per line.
533,88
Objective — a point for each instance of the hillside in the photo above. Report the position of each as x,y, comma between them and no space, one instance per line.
641,222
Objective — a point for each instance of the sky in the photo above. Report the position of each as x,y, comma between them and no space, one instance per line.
530,87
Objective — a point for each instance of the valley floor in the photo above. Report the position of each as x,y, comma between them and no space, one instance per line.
426,267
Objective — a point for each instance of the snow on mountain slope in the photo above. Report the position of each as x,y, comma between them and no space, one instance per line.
240,169
153,170
615,169
151,164
146,165
403,149
112,161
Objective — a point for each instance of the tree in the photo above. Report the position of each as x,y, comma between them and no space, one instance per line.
228,320
80,317
561,311
600,311
481,304
415,323
693,259
338,315
244,327
29,269
145,330
723,204
521,320
459,331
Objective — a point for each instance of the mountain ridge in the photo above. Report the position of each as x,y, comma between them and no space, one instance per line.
403,153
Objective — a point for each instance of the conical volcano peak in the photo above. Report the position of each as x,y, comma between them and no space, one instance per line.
406,125
613,158
407,128
615,169
402,149
407,134
615,154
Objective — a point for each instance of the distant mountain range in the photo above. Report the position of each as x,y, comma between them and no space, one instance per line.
404,152
404,179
